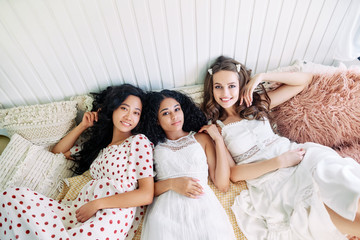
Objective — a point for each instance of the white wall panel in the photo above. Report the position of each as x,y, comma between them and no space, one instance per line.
52,50
243,31
203,29
268,35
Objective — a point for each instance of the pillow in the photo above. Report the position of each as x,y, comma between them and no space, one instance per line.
301,66
12,157
326,112
351,151
306,66
227,200
32,166
42,124
194,91
71,187
4,140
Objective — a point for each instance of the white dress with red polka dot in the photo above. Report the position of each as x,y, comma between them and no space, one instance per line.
25,214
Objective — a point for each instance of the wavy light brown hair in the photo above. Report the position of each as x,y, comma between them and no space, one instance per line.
213,111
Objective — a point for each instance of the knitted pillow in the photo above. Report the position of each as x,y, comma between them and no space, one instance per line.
42,124
326,112
27,165
194,91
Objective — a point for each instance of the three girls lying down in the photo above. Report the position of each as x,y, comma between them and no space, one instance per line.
295,191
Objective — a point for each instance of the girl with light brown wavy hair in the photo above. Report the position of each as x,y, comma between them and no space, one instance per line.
295,191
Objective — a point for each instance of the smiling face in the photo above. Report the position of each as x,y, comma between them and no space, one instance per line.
226,88
170,115
127,115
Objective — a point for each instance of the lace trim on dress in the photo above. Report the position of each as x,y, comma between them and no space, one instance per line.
252,151
175,145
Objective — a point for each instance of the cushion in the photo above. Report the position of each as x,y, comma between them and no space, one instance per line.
71,187
194,91
307,66
4,140
270,86
351,151
42,124
28,165
12,157
326,112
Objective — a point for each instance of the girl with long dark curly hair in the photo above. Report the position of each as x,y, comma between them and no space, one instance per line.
120,164
184,206
295,191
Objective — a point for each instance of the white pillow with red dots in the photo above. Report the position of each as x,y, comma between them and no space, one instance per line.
27,165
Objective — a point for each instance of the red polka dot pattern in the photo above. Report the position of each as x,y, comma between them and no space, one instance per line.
25,214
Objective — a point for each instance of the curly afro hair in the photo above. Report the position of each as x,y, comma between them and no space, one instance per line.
194,118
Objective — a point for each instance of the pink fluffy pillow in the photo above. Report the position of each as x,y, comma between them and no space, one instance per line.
352,151
326,112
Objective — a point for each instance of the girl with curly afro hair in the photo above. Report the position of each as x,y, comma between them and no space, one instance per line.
184,206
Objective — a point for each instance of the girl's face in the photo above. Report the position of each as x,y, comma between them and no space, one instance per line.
226,88
170,115
127,115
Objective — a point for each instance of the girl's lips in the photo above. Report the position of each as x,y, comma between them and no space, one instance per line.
225,99
126,124
176,123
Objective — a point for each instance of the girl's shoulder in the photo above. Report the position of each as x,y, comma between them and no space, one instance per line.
202,138
141,139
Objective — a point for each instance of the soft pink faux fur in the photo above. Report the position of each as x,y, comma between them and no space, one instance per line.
352,151
326,112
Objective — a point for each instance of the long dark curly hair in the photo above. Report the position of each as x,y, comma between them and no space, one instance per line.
213,111
194,118
100,134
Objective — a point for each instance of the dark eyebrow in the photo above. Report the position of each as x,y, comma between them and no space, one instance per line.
129,106
168,108
164,109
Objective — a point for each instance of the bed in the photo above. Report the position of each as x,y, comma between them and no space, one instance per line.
54,53
318,114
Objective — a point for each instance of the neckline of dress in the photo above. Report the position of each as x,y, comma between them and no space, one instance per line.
232,123
116,145
229,125
185,136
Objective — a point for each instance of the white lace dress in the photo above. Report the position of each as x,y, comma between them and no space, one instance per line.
288,203
174,216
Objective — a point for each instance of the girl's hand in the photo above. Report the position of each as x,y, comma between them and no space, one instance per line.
212,131
249,89
88,119
86,211
187,186
291,158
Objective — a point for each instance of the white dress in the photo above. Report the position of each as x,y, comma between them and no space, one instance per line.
288,203
25,214
174,216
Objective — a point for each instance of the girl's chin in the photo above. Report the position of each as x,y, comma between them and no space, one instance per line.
228,104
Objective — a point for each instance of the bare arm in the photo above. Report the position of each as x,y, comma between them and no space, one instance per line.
217,156
186,186
293,83
254,170
138,197
67,142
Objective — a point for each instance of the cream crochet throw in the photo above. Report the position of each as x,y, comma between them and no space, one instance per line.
42,124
